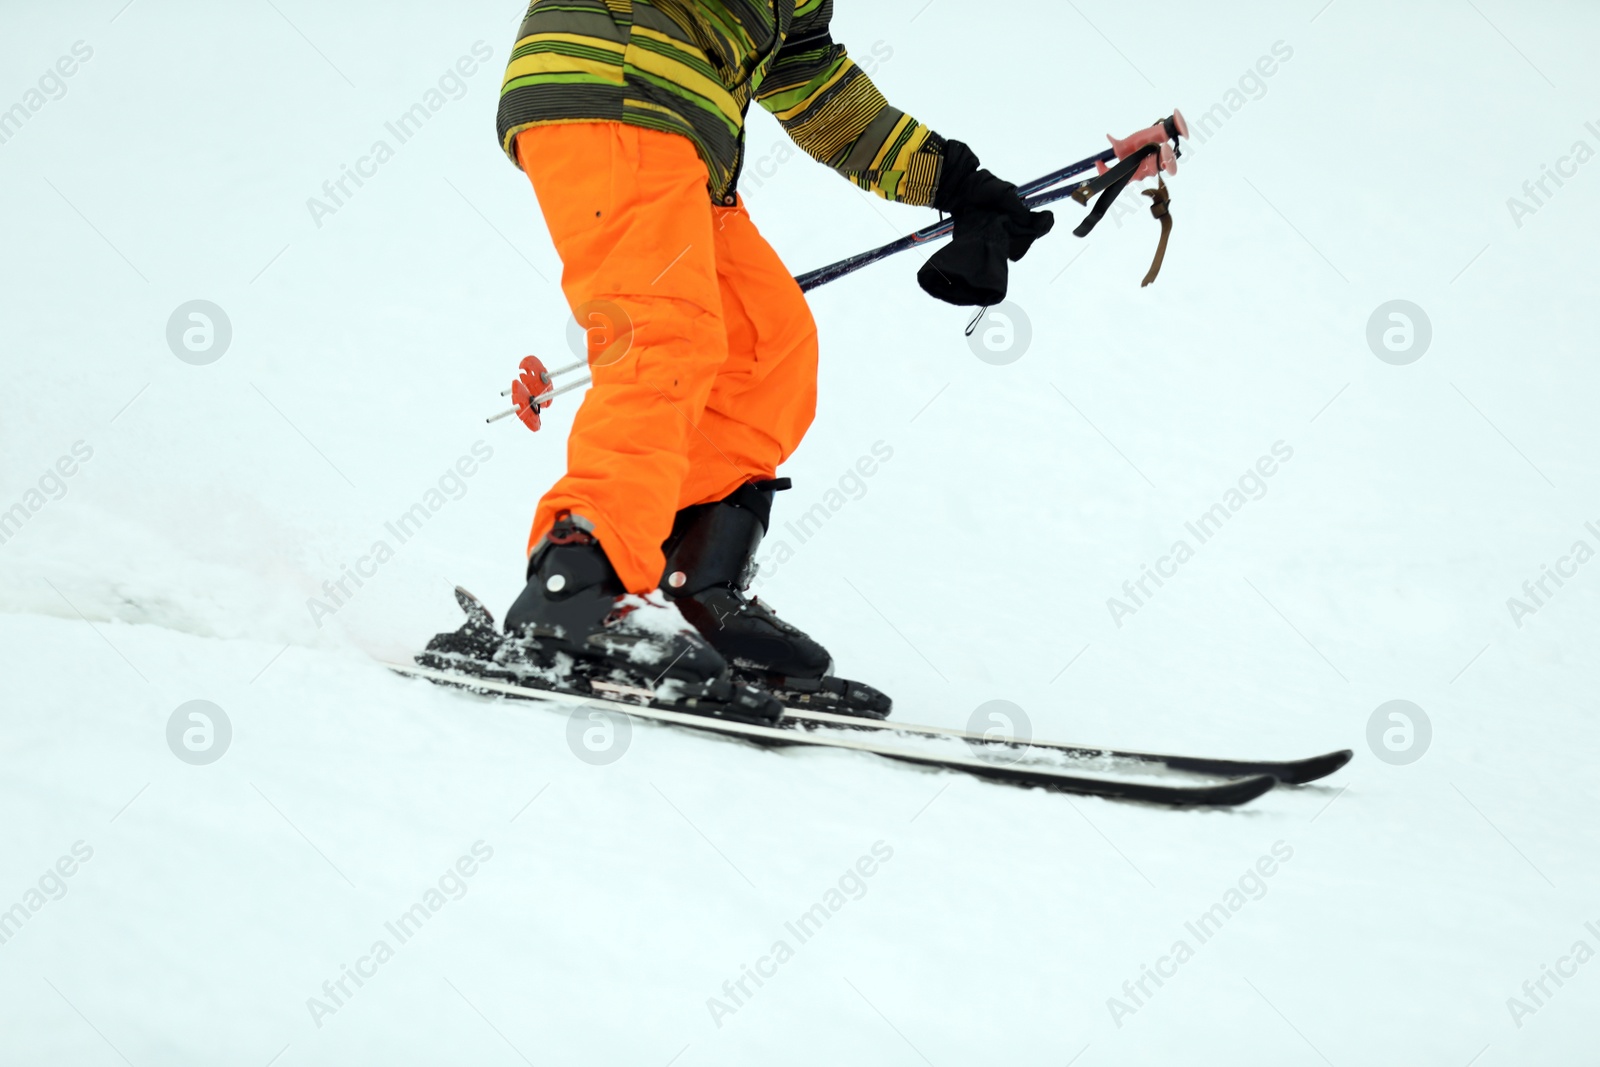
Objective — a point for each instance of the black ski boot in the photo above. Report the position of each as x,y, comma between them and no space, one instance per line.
710,565
575,624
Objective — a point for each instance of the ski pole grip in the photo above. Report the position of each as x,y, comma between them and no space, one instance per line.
1169,129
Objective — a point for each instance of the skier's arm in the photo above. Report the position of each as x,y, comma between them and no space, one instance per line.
831,109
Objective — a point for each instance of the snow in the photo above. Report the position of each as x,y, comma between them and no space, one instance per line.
1406,903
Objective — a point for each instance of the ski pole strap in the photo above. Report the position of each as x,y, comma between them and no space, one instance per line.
1159,199
1110,186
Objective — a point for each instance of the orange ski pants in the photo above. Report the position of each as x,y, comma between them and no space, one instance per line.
702,348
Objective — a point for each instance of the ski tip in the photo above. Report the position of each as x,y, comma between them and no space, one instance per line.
1224,794
1238,791
1310,770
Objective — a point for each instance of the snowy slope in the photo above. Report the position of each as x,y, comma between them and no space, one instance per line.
608,905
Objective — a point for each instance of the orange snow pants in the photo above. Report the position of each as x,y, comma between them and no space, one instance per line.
702,348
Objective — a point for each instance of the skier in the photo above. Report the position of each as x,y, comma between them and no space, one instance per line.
627,116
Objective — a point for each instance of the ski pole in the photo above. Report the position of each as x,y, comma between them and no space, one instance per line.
943,228
533,390
1170,129
1046,189
543,399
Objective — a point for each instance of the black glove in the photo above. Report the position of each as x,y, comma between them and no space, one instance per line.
992,225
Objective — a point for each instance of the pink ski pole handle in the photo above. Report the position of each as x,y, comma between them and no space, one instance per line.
1158,134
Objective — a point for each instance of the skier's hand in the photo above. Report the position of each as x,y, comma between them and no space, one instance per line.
964,189
992,225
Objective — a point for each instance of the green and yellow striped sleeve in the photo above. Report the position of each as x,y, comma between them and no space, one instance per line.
831,109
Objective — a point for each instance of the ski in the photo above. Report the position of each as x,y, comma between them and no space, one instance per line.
1289,772
1227,792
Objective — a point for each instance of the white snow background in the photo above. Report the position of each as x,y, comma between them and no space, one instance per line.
1375,163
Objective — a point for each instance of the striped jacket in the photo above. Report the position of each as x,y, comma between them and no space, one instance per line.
692,66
